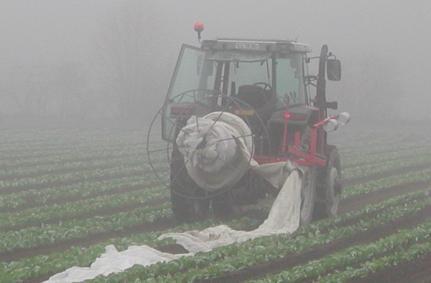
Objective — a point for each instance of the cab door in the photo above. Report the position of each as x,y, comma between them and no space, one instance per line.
191,74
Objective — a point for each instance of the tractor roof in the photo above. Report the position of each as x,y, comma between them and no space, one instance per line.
265,45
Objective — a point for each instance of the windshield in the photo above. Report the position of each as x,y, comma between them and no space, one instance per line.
199,69
201,75
226,71
251,72
290,85
243,68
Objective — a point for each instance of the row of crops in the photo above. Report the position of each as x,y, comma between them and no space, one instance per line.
136,166
260,253
65,195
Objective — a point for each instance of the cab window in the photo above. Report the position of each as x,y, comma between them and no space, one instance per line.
290,85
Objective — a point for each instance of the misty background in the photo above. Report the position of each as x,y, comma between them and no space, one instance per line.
108,62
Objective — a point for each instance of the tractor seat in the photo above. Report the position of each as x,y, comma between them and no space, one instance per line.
253,95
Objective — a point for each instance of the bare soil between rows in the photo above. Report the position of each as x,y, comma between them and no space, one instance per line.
415,271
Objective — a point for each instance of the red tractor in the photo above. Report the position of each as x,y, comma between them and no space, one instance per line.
267,84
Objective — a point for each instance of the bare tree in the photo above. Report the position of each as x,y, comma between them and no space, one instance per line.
127,66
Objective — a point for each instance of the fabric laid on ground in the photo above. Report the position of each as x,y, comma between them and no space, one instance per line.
113,261
200,150
283,218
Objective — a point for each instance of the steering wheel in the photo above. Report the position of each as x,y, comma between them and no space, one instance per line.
266,86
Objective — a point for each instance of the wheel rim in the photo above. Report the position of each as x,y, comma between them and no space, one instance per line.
332,194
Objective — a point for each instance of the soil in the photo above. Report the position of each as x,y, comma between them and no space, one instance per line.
415,271
173,249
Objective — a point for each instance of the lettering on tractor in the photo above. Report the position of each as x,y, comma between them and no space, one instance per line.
266,83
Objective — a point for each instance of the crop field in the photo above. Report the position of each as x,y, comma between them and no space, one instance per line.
66,194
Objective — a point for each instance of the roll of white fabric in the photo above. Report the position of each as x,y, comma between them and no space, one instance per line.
217,149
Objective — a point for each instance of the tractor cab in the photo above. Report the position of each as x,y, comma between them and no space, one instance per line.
267,85
266,82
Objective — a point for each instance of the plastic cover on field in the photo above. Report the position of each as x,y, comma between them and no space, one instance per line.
284,216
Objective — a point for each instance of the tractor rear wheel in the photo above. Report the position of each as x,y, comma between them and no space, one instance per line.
329,188
187,199
223,205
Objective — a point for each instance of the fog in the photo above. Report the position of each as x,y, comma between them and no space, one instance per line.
108,62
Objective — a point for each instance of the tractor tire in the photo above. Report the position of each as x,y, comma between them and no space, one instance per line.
329,186
308,195
187,199
223,205
247,191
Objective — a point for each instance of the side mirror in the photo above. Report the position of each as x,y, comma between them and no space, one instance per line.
333,69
